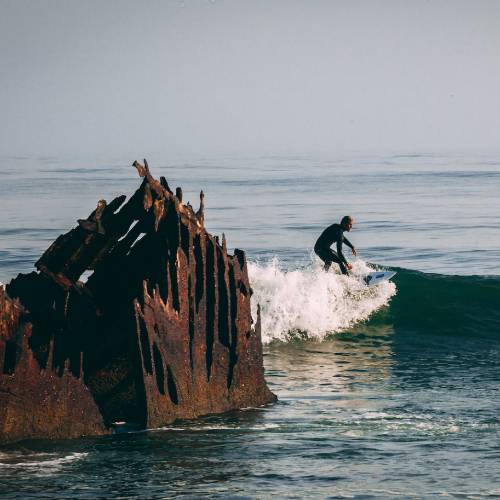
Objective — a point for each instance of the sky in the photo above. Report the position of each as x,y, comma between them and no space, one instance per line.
248,77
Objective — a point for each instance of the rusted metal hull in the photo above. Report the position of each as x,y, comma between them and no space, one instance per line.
34,402
161,330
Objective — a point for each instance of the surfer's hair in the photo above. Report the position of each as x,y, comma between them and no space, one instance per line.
345,220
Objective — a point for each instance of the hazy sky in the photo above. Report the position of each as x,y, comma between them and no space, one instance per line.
229,76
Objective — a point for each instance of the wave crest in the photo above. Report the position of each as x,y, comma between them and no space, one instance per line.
311,302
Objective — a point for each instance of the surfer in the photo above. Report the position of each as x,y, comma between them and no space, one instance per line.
335,233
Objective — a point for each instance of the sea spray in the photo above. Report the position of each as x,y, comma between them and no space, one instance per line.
310,301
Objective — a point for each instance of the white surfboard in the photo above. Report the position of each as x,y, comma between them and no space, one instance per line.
377,277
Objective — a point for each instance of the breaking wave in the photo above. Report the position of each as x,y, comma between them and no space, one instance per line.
309,302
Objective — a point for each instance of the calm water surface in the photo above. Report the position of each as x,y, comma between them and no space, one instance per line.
399,399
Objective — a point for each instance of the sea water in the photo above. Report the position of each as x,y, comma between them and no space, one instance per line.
384,392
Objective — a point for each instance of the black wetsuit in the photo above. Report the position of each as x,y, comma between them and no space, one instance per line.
331,234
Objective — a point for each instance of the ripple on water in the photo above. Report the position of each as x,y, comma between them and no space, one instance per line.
37,464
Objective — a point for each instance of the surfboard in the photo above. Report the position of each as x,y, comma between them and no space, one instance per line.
377,277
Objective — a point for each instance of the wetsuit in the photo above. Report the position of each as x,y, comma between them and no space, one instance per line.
331,234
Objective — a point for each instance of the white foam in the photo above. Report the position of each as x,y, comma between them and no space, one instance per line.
216,427
311,300
354,434
40,463
376,415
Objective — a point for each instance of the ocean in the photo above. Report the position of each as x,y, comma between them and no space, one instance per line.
384,392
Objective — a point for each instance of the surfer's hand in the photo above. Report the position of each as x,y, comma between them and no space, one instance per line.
349,266
354,252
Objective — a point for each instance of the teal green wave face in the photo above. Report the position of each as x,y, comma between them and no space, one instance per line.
436,303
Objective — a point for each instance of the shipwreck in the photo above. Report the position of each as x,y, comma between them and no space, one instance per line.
136,315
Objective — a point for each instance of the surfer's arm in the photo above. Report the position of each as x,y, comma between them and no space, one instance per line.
339,251
350,245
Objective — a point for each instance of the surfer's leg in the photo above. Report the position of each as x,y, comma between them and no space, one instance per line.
343,268
335,258
327,255
324,255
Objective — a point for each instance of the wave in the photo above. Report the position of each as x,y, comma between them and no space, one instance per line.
309,303
444,304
